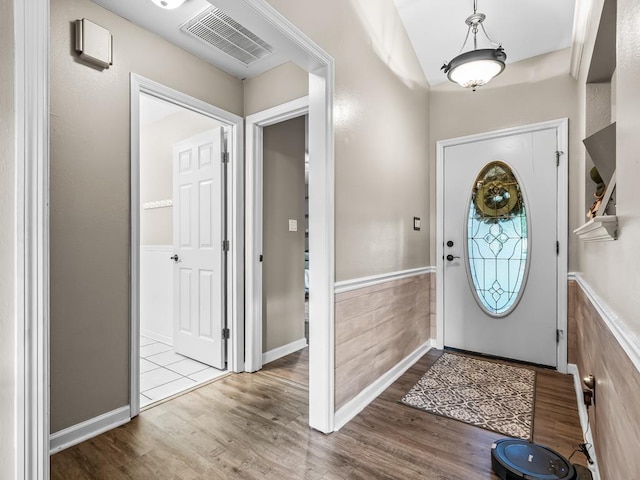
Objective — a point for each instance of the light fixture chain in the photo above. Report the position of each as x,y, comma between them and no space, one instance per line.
475,36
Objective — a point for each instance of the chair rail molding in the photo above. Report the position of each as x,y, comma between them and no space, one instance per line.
364,282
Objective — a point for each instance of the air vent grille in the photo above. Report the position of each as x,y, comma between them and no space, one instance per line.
219,30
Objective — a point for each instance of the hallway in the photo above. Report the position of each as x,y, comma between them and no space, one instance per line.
254,426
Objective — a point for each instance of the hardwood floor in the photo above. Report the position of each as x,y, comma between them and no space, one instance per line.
294,368
254,426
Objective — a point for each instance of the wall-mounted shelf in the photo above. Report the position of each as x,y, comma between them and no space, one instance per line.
599,229
600,127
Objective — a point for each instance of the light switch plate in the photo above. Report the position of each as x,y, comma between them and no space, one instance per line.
94,43
416,223
293,225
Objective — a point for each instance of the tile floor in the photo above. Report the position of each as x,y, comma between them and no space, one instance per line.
164,373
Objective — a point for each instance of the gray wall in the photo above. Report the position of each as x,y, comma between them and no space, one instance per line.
90,202
283,266
275,87
7,244
381,133
530,91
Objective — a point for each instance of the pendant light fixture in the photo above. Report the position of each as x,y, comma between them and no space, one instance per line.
476,67
168,4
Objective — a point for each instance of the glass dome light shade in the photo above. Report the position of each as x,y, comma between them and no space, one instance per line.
477,67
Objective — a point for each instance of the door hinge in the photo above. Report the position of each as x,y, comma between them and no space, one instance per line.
558,154
225,157
557,247
225,334
261,258
225,245
558,335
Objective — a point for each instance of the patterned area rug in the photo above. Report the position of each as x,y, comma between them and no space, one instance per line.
490,395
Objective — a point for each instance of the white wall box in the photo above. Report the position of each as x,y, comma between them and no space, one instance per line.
94,43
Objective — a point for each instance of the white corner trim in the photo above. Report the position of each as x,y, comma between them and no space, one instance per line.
584,418
283,351
28,441
369,394
582,16
363,282
625,337
88,429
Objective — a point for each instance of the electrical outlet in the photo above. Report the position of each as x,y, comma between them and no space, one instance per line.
416,224
293,225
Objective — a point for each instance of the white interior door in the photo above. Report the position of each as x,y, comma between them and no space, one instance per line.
494,302
199,255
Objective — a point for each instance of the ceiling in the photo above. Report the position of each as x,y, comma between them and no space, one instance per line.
526,28
167,23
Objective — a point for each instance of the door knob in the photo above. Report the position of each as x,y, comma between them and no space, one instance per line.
174,258
451,257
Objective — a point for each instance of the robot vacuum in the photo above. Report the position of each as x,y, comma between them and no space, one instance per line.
513,459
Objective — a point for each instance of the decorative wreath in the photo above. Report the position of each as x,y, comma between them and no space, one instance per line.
497,193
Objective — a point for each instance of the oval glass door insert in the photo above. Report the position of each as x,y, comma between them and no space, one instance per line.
497,239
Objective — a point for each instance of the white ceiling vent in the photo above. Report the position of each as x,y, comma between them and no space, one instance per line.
219,30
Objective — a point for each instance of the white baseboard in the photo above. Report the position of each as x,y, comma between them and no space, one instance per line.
584,418
283,351
157,337
88,429
369,394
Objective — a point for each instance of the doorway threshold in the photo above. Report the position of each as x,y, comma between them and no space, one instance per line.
165,374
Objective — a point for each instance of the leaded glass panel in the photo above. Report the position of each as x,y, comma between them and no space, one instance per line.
497,239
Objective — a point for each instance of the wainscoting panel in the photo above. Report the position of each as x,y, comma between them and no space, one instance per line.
156,292
572,327
376,327
615,417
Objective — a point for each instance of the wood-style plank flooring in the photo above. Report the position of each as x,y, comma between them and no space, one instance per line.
254,426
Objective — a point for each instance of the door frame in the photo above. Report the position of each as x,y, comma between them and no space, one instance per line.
234,224
562,130
321,68
255,125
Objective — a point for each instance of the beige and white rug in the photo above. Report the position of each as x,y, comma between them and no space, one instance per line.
489,395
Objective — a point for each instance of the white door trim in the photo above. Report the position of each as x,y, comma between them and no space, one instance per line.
562,127
235,226
254,180
31,269
320,65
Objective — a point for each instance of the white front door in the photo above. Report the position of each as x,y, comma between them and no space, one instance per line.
199,254
500,251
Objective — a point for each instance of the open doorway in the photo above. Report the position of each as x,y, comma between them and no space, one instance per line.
285,247
180,348
185,242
